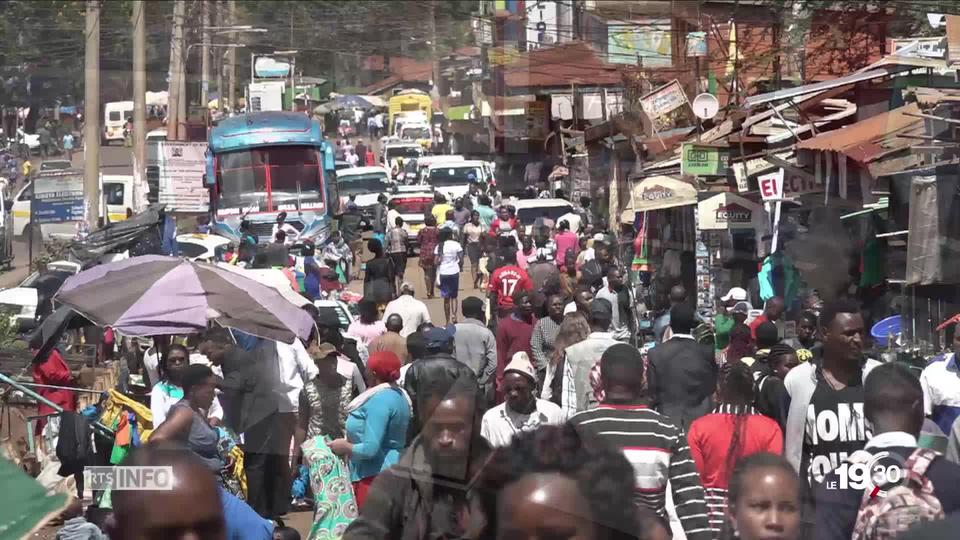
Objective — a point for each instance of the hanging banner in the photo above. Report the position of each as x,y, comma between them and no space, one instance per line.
182,166
704,160
58,197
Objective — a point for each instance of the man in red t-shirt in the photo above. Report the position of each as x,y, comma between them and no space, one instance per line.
772,311
513,334
507,280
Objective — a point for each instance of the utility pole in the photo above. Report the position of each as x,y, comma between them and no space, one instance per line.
221,21
176,72
232,65
435,62
91,110
139,105
205,54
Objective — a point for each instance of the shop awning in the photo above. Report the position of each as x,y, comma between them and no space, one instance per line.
658,193
725,211
865,141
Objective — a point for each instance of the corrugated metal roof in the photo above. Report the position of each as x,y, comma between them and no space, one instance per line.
788,93
863,141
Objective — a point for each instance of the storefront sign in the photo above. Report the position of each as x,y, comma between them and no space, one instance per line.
58,197
182,166
704,160
696,44
745,169
771,185
646,41
782,184
662,101
658,193
728,211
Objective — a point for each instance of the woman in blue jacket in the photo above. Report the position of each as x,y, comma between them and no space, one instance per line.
376,424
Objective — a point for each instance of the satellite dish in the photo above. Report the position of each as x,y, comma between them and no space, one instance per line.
705,106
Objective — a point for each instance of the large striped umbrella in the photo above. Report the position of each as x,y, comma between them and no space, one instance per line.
155,295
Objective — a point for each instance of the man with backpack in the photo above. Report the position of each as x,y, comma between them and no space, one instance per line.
927,489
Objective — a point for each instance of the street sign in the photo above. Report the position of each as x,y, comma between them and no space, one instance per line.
771,185
696,44
704,160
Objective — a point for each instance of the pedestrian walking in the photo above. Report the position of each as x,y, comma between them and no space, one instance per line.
449,253
68,142
522,410
429,239
764,499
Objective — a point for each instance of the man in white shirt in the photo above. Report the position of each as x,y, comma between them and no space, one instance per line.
412,311
522,411
294,367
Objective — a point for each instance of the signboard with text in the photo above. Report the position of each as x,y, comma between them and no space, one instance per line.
704,160
785,184
662,101
182,165
58,197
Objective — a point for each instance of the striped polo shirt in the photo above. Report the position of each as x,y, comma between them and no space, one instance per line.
657,450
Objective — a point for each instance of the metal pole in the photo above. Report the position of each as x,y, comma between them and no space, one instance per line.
139,105
232,65
205,55
68,388
221,21
30,393
176,71
91,108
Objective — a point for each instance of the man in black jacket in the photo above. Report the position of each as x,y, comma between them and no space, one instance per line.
683,374
438,368
251,408
893,403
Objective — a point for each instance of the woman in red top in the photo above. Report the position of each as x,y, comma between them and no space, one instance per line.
733,430
54,371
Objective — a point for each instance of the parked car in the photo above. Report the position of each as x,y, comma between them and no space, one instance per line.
367,183
20,302
201,247
528,210
32,140
157,135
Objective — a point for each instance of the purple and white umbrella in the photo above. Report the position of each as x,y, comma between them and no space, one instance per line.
156,295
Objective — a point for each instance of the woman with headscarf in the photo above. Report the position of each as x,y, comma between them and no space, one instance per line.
376,424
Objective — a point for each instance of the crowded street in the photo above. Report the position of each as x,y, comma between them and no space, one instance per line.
479,269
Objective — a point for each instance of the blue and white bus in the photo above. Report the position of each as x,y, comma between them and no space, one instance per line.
264,163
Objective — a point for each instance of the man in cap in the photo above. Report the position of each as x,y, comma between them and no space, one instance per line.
522,411
726,319
350,348
438,367
412,311
514,334
580,358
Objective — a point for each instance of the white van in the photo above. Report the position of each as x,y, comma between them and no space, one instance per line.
115,115
117,190
453,179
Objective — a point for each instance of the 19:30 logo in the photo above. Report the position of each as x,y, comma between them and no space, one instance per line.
881,472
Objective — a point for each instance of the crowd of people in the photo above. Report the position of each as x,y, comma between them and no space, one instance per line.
534,411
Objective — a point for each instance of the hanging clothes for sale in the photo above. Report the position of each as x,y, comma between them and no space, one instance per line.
778,277
641,245
74,444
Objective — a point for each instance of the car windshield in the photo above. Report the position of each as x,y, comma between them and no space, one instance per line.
403,151
528,215
54,165
412,205
293,173
453,176
355,184
415,133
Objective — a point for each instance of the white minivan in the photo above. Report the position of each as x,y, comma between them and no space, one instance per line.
453,179
115,115
117,190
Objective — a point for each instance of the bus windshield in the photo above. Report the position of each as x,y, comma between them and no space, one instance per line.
355,184
453,176
402,151
269,178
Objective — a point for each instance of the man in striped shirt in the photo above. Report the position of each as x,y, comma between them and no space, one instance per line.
655,447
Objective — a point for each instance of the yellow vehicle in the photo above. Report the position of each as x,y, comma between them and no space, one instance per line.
409,104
